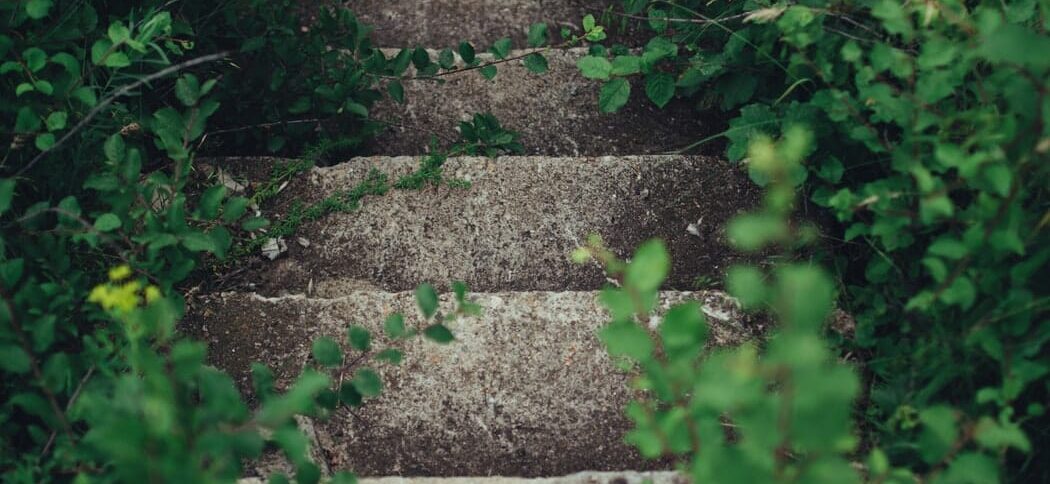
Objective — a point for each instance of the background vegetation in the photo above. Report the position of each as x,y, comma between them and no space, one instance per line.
931,137
923,128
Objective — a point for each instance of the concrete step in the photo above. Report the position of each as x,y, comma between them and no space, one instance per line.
446,23
626,477
514,227
629,477
556,113
526,389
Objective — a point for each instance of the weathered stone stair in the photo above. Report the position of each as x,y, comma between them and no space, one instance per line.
526,390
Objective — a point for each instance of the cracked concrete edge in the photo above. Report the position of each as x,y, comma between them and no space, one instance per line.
625,477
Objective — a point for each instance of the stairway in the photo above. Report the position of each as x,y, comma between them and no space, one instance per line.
526,391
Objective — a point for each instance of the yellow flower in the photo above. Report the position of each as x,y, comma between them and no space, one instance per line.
120,272
116,298
152,294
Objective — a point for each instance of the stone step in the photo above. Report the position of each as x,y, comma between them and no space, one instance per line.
514,227
446,23
626,477
525,390
654,477
556,113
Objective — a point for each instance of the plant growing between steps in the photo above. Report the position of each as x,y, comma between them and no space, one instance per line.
779,413
483,135
172,401
105,105
932,128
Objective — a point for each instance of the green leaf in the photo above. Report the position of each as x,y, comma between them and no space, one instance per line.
588,23
44,87
754,231
107,222
971,468
187,89
390,355
38,9
939,433
593,67
395,326
35,58
466,52
45,141
649,267
396,91
427,299
252,224
420,58
659,48
1015,44
438,333
117,60
659,86
56,120
446,59
342,477
85,95
537,35
625,65
11,271
360,339
23,88
26,121
210,202
684,327
614,95
501,48
948,247
199,242
999,177
327,352
627,339
536,63
747,284
298,400
961,293
367,382
356,108
262,380
235,209
118,33
488,72
349,395
7,194
13,359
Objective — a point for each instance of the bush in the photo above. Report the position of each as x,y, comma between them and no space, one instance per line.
931,123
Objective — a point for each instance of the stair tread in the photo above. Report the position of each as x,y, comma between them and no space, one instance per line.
526,389
446,23
626,477
515,226
556,113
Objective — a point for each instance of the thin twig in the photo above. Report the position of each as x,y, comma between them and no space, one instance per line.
69,405
702,21
123,91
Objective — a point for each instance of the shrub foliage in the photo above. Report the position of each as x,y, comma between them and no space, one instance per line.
931,125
